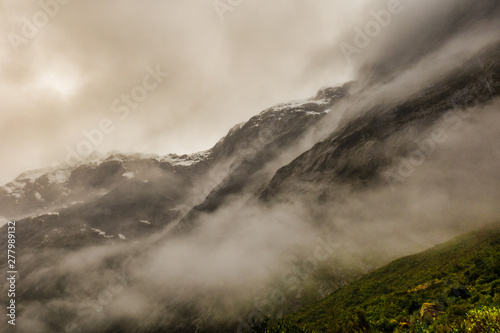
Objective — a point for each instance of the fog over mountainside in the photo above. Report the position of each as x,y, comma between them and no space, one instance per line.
287,207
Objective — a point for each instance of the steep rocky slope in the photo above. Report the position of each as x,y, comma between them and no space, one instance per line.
138,194
364,149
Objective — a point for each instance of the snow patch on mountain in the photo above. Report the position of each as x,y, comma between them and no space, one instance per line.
296,105
14,188
288,105
173,159
31,176
185,160
128,175
49,213
59,176
101,233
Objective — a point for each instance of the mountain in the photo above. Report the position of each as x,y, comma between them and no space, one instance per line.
361,152
365,148
457,277
136,194
191,243
61,186
265,156
280,131
121,198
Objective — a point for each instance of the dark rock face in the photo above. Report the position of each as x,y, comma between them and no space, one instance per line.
279,128
100,176
359,152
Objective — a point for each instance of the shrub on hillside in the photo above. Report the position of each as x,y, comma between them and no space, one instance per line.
485,320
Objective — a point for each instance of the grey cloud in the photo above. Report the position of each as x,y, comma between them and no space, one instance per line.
222,72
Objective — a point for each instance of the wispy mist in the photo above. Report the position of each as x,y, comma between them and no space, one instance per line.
221,73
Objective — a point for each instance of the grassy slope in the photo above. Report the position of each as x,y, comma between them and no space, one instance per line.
459,275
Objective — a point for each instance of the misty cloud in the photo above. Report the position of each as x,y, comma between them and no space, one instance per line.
239,257
64,80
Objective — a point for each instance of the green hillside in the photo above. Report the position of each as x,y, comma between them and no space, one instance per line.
460,279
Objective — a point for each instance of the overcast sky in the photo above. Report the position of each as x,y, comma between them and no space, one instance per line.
63,76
